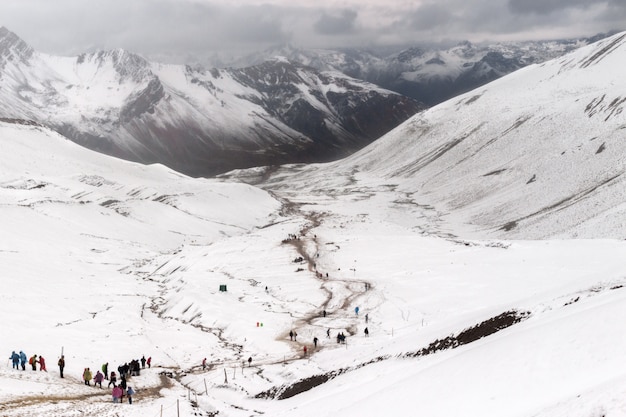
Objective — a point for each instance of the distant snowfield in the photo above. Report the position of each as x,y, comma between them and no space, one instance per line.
106,261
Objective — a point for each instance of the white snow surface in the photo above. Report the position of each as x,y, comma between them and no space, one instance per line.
538,153
105,261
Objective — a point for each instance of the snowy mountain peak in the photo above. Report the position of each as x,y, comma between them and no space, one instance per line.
13,48
197,122
129,66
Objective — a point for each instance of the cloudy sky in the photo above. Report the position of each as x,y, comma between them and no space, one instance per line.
179,30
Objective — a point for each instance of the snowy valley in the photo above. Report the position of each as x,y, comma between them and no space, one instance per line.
483,239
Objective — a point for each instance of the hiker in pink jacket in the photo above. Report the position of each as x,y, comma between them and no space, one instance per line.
117,394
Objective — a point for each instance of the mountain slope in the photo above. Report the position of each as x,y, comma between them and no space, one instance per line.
195,121
534,154
106,260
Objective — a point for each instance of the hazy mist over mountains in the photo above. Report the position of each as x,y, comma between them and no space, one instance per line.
281,106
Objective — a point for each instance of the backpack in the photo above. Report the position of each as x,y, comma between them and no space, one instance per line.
30,361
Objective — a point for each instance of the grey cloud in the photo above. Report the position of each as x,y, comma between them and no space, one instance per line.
549,6
333,25
430,16
176,30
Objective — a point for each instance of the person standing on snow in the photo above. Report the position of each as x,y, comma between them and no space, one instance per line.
61,364
105,370
87,375
16,360
149,361
113,380
130,392
117,394
33,362
23,360
97,380
204,364
42,364
143,362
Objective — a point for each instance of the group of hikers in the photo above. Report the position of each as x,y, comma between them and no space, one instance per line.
124,371
341,337
132,368
20,359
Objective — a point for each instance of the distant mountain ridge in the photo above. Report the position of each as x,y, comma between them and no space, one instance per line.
199,122
535,154
429,74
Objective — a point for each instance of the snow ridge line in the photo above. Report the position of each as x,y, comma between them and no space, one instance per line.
469,335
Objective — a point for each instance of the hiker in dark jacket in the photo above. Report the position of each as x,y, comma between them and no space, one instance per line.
61,364
113,380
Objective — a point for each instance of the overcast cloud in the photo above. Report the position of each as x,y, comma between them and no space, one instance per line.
192,30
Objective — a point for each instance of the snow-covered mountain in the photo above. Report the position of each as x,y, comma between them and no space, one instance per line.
429,74
537,153
199,122
105,260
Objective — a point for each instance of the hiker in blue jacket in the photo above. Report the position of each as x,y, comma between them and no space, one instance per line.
16,360
23,360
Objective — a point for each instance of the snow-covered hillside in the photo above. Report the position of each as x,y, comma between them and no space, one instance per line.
538,153
196,121
108,261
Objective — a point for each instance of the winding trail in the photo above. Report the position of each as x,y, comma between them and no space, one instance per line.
306,242
95,398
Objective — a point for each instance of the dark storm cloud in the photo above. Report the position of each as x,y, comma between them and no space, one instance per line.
549,6
178,30
430,16
336,24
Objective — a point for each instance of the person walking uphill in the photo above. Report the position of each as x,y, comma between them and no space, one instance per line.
116,394
87,376
113,380
97,380
61,364
130,392
16,360
23,360
33,361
